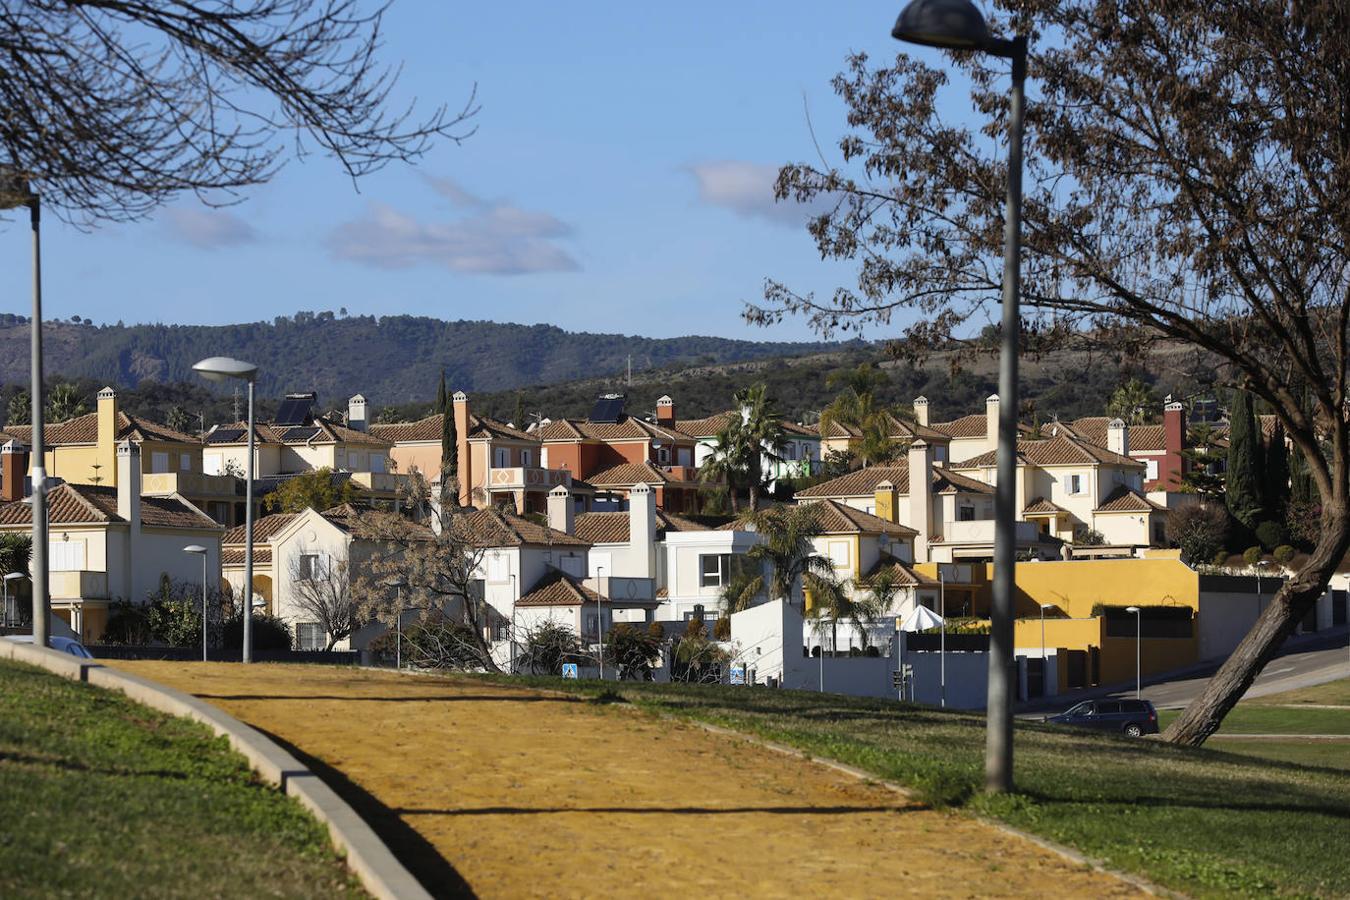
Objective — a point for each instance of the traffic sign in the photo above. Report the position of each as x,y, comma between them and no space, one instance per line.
738,674
569,670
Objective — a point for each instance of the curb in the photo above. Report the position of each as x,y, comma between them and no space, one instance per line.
367,856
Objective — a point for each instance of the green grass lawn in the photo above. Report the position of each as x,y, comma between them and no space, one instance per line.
1250,719
1205,822
100,796
1333,693
1330,754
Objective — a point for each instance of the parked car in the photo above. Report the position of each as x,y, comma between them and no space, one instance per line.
63,644
1134,718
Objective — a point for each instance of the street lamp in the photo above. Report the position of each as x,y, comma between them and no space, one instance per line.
1138,640
201,551
958,25
223,368
942,640
512,576
398,584
600,619
15,192
12,576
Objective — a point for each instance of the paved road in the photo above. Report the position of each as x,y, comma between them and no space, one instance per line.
1304,661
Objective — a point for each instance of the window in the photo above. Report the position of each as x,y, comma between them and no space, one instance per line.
309,567
65,556
1151,469
185,462
376,463
212,464
159,462
663,455
309,636
965,514
501,458
543,457
525,458
714,569
789,451
686,456
841,553
1074,483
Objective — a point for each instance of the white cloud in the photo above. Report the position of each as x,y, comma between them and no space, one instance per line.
491,238
206,228
746,189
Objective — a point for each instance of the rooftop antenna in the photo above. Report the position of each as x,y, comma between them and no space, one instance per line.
630,370
236,403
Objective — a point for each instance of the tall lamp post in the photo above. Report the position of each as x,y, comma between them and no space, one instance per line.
199,550
514,598
958,25
16,192
9,615
1138,641
223,368
398,584
942,640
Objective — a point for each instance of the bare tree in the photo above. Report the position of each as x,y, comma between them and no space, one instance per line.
321,589
1188,180
434,568
113,107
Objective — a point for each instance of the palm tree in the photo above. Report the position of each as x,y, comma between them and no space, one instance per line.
855,410
65,402
726,463
785,549
760,435
1133,401
834,599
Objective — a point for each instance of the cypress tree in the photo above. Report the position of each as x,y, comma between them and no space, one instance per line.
1276,475
449,451
440,394
1243,482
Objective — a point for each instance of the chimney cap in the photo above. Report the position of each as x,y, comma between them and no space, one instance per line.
560,491
664,400
460,397
106,393
920,399
992,398
884,484
918,444
356,397
1117,423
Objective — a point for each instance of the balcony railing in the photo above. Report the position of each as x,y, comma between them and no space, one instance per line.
527,478
78,585
189,484
981,531
378,482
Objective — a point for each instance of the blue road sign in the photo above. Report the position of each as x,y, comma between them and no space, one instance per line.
738,674
569,670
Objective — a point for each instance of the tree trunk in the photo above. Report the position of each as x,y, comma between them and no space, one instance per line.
1291,603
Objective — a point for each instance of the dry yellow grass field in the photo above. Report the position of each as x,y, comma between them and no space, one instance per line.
509,792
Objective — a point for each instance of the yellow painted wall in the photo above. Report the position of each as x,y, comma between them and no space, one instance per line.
1075,586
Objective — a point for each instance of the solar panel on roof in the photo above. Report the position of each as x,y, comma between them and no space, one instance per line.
298,434
608,408
225,435
294,411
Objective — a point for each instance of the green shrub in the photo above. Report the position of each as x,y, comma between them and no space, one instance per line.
548,647
1270,534
1220,558
1252,555
269,632
633,651
1283,554
722,629
1199,529
127,624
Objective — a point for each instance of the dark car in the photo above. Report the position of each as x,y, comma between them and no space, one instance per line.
1134,718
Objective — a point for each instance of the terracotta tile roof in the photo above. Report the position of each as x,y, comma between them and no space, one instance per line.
428,429
84,430
629,428
1042,507
707,426
971,426
264,529
495,528
79,504
840,518
1061,450
900,431
1093,429
558,589
235,556
629,474
612,527
329,432
901,572
863,483
1125,499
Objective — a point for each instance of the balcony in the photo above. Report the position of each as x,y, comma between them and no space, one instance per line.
189,484
378,482
78,585
527,478
981,531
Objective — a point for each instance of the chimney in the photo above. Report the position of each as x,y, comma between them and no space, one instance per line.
642,529
1118,437
1172,465
885,498
921,495
561,511
991,417
129,485
105,453
463,460
13,470
356,413
665,411
921,410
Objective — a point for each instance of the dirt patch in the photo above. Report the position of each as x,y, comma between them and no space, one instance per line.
530,794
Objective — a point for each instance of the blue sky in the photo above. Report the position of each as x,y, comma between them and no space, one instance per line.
618,181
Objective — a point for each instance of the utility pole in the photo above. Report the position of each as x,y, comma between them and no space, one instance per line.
630,370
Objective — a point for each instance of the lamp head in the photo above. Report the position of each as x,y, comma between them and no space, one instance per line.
194,548
1132,609
949,24
14,576
221,368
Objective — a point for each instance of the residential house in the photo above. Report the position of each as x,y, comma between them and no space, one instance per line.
1071,488
110,542
1159,447
799,457
842,438
83,450
299,439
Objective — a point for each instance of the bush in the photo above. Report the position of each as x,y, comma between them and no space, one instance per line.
1303,519
1270,534
1199,529
269,633
1220,558
1088,537
722,629
438,642
1284,553
548,647
1252,555
632,651
127,624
